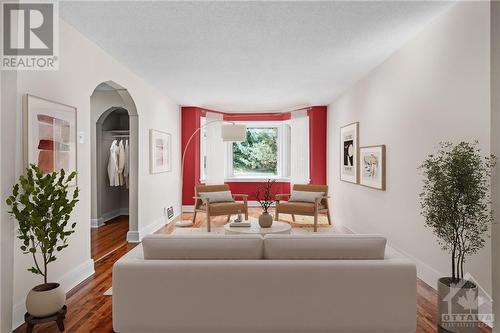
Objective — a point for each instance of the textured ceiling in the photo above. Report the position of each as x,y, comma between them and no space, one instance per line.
251,56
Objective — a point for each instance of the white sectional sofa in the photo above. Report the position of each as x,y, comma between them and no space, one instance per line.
277,284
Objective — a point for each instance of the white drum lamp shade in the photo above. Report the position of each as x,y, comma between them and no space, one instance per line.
234,132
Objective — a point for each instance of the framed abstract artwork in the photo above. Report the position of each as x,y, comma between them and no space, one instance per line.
50,133
372,160
160,151
349,150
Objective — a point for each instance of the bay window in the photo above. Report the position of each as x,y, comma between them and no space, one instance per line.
265,154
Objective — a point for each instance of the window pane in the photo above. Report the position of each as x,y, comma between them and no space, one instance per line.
258,154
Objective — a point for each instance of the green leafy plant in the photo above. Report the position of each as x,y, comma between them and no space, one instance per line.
455,200
41,205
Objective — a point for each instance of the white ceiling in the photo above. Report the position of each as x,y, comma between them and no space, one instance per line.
251,56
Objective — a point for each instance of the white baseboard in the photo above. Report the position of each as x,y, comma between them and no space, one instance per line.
188,209
136,236
430,275
152,227
99,222
96,223
68,281
133,237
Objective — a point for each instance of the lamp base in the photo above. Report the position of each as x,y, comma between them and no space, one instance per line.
184,223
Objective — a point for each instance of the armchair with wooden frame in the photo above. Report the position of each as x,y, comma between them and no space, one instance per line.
320,206
218,208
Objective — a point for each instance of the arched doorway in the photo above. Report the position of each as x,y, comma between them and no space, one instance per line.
113,116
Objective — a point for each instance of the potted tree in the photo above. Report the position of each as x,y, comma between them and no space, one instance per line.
263,196
42,207
455,203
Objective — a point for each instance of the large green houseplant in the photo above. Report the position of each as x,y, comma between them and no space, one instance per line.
42,206
455,203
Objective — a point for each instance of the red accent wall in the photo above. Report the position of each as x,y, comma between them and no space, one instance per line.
317,144
190,116
250,187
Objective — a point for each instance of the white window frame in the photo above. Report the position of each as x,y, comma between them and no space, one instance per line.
283,159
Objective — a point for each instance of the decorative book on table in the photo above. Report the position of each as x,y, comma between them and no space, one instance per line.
239,224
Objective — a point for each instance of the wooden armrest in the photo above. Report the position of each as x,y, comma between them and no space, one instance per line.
240,195
203,200
283,195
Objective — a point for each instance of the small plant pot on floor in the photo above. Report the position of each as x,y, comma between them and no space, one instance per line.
457,306
45,299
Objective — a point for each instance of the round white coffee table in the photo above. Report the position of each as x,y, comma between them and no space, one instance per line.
276,228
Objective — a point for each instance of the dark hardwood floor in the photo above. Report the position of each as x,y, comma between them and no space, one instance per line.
90,311
109,237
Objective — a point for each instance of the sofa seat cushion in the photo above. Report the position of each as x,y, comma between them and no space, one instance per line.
223,208
297,207
202,247
324,247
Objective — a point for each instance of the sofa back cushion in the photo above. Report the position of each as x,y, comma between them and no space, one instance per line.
305,196
219,196
202,247
325,247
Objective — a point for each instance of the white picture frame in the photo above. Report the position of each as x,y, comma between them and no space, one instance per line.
372,166
50,133
160,151
349,153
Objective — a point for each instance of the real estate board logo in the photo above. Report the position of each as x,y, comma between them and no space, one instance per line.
466,309
30,36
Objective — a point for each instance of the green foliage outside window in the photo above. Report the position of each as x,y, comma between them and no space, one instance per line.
258,154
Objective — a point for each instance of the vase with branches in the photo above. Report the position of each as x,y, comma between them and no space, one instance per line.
264,197
456,205
42,206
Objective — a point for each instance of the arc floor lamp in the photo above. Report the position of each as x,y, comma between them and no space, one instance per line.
230,132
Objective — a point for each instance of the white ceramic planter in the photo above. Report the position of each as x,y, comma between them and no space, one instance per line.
45,299
455,316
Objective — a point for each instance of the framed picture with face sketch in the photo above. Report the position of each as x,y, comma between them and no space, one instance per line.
349,151
372,170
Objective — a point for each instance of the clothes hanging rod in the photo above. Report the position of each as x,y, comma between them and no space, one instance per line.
117,131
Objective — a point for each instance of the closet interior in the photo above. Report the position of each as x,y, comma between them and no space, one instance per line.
113,165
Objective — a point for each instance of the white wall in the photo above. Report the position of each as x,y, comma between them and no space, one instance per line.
436,88
8,83
83,66
495,147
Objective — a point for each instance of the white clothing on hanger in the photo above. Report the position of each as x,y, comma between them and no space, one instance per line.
113,165
126,168
121,162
